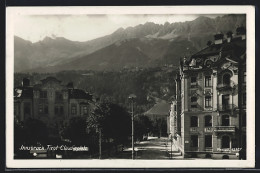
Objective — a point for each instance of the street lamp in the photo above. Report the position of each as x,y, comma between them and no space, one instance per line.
132,97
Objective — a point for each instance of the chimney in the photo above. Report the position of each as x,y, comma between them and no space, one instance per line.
229,36
241,31
26,82
218,38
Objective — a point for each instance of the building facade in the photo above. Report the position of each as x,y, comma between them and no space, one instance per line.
50,101
208,114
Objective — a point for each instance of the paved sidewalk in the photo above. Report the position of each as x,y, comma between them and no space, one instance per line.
154,148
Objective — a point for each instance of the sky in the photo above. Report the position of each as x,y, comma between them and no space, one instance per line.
86,27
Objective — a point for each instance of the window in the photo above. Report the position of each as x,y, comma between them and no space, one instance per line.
58,95
244,98
193,79
193,99
194,141
85,110
43,94
194,121
225,142
244,79
46,111
193,106
40,109
226,79
73,109
59,110
207,81
244,120
234,142
208,121
208,141
225,120
207,101
27,109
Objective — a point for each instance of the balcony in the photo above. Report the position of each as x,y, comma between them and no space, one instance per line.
194,85
225,129
224,87
193,129
208,129
226,107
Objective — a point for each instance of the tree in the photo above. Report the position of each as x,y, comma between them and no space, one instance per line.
114,120
35,131
75,130
143,126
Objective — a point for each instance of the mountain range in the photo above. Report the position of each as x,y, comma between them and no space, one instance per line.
145,45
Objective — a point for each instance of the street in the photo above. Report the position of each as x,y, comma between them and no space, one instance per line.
154,148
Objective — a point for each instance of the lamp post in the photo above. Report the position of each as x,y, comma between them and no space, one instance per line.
132,97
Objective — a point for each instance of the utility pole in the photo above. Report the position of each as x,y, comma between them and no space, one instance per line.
100,142
132,97
133,148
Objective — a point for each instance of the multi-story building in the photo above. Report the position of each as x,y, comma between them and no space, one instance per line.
208,115
50,101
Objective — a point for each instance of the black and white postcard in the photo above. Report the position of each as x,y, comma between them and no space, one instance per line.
130,87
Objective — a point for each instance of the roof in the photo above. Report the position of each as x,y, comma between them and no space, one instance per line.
236,44
160,108
79,94
23,92
50,78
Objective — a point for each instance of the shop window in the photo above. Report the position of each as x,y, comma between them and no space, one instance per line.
194,121
208,141
207,81
208,121
225,120
194,140
225,142
207,101
234,143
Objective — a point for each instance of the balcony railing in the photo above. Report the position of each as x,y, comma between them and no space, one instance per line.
225,129
224,87
194,85
193,129
208,129
226,107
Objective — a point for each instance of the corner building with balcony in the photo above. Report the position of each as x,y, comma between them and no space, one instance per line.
208,115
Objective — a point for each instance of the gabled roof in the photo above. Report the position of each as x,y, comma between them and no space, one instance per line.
161,108
79,94
50,78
